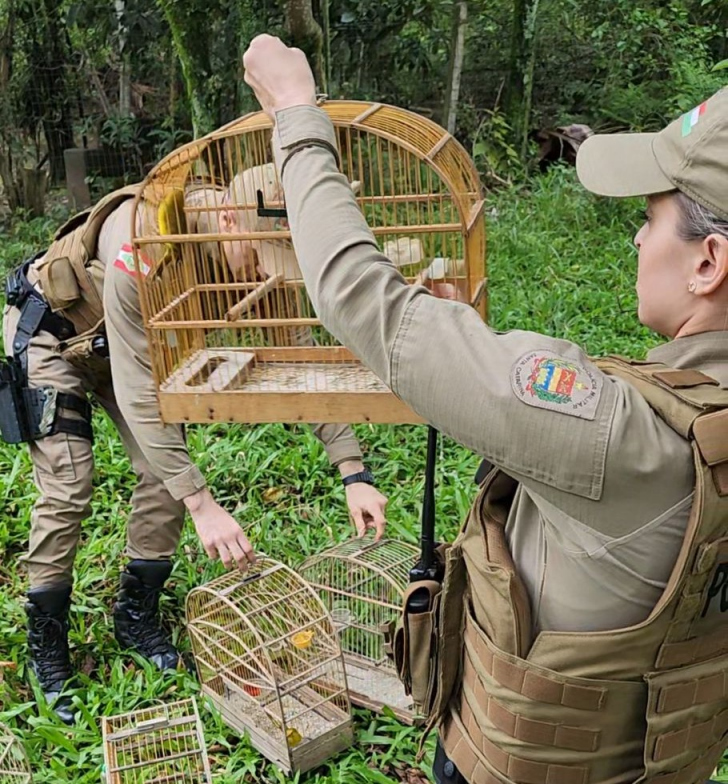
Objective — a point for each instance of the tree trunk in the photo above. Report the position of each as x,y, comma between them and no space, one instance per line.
326,8
187,21
518,63
7,39
457,56
35,185
125,65
50,50
530,38
307,35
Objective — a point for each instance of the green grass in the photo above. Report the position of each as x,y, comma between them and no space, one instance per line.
560,262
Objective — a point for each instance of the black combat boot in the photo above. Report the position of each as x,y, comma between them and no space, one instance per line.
136,618
47,609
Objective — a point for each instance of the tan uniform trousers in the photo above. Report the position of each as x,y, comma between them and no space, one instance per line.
63,467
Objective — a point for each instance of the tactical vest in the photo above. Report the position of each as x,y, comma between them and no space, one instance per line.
647,703
69,274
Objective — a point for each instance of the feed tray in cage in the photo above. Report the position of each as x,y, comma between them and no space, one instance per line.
163,744
232,331
269,658
362,585
14,767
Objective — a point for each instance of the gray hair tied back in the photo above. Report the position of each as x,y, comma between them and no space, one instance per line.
698,222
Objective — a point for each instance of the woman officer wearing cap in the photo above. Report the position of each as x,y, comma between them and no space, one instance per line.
584,612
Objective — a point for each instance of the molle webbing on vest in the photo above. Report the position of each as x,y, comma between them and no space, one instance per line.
528,716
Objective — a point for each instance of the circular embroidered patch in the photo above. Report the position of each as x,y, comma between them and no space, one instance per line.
545,380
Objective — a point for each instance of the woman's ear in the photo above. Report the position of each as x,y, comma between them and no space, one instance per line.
713,266
227,221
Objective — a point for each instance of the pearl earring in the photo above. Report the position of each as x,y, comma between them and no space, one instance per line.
692,286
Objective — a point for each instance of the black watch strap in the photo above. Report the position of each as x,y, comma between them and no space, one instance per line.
363,476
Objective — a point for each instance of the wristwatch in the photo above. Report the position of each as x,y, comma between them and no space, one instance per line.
363,476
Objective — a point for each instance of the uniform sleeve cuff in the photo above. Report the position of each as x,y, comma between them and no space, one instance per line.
299,124
300,127
187,483
342,450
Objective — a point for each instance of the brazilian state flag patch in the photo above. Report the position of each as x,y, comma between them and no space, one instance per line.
125,262
544,380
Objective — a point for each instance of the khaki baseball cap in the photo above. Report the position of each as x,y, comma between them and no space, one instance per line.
689,155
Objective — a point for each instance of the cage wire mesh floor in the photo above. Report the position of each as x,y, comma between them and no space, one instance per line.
163,744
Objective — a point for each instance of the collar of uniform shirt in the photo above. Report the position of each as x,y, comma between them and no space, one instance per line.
706,351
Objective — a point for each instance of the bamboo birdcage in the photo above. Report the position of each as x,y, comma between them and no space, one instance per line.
362,585
14,766
247,346
163,744
269,658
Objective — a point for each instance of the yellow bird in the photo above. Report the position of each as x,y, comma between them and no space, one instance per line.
293,736
171,220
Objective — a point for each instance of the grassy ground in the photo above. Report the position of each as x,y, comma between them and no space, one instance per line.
560,262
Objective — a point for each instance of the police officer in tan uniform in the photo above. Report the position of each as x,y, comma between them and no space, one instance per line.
73,328
581,633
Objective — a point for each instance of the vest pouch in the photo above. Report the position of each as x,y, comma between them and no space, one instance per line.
687,722
81,354
415,642
449,632
59,283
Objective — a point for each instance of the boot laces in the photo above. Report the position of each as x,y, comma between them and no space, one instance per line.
147,630
50,651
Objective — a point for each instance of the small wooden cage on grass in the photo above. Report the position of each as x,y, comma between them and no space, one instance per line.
233,334
269,658
362,585
14,766
163,744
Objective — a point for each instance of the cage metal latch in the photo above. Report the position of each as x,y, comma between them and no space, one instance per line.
269,212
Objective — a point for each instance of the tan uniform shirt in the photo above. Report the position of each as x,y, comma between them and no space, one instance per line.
163,445
606,485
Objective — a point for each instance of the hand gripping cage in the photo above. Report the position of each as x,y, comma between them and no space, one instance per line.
14,766
269,658
232,332
163,744
362,584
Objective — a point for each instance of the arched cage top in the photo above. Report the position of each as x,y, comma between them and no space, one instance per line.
369,571
268,656
232,331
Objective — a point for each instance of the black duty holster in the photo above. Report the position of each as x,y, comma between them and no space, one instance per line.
29,413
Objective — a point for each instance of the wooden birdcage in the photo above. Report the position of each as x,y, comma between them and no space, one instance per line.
163,744
246,345
362,584
269,658
14,766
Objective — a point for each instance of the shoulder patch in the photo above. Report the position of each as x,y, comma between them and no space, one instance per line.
545,380
125,262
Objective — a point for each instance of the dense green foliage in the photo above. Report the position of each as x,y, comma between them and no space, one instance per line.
560,262
140,77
